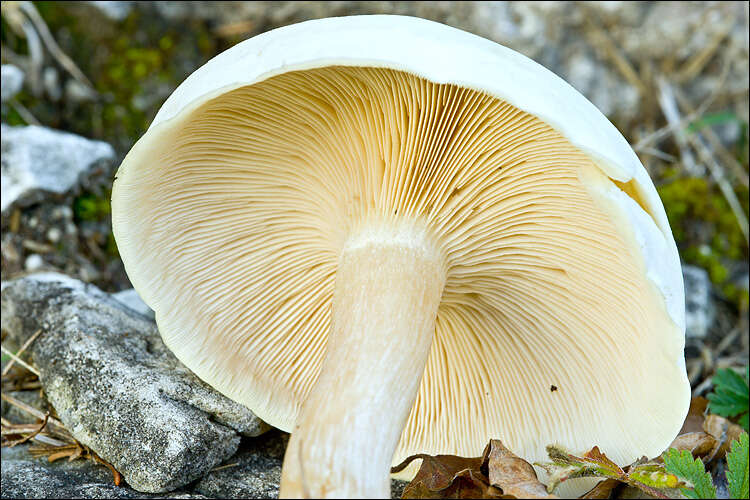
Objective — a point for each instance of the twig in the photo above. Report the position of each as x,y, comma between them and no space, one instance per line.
235,464
715,141
703,387
696,64
727,341
20,361
670,127
671,112
65,61
599,38
20,351
32,433
31,410
23,112
717,172
648,150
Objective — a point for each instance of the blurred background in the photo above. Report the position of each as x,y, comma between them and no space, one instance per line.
89,77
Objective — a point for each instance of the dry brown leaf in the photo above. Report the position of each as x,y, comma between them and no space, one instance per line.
700,444
603,489
694,420
447,476
724,431
513,475
498,473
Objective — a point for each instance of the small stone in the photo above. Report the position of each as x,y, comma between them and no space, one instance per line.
51,80
11,81
117,388
134,301
77,92
62,212
38,161
24,477
54,234
115,11
33,262
699,308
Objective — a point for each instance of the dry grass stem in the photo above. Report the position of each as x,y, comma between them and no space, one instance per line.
695,65
671,112
31,410
21,351
227,466
19,361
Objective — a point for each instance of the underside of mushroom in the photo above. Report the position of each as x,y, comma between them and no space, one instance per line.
384,265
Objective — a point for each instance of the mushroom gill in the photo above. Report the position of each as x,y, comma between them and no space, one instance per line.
263,186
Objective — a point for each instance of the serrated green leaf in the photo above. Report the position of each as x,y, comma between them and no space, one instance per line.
730,395
743,421
682,465
729,381
737,467
725,406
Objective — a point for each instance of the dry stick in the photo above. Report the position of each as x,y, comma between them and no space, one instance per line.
20,351
696,64
670,127
727,341
24,113
31,410
717,172
715,141
235,464
65,61
33,434
725,156
20,361
671,112
599,38
648,150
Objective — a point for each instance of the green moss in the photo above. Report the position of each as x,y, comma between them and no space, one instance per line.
133,64
88,207
705,228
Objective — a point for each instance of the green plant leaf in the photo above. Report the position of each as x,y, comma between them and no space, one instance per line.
730,395
737,467
713,119
682,465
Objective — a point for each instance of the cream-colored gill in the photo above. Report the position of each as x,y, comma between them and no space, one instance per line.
246,208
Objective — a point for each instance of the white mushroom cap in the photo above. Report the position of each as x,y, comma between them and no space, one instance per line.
560,267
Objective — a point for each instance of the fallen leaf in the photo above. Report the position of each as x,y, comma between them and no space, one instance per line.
724,431
696,414
700,444
447,476
513,475
603,489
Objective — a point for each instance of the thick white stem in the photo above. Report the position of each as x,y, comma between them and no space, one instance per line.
383,319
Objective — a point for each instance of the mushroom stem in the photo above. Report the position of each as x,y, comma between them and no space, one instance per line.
383,320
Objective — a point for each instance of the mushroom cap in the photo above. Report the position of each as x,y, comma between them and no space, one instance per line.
231,211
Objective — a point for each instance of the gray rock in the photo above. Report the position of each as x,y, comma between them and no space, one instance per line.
134,301
257,473
114,11
11,81
700,309
24,477
37,161
117,388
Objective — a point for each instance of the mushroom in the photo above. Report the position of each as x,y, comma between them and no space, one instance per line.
389,236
